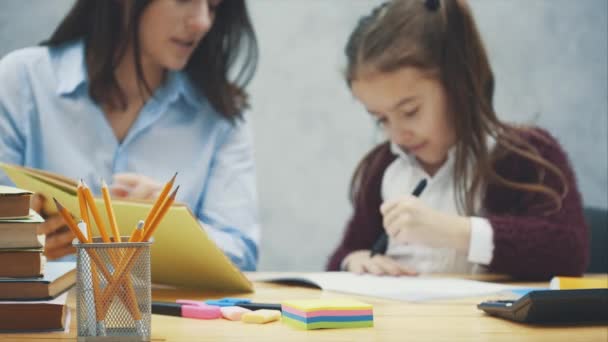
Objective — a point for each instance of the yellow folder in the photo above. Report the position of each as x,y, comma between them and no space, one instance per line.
182,253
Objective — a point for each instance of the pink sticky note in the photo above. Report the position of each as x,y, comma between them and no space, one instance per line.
233,313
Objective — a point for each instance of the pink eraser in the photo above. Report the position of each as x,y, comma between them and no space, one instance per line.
201,311
233,313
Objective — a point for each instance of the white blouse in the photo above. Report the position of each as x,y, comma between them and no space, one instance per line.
400,178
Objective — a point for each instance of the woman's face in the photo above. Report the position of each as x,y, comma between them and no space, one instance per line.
170,30
412,109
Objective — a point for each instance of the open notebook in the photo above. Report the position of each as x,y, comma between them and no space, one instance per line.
182,253
396,288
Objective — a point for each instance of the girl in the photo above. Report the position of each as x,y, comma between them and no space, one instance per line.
499,198
133,91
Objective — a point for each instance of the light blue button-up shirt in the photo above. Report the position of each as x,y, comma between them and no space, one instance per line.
48,121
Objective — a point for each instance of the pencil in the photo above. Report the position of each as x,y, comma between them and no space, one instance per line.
107,200
159,201
84,211
137,232
90,288
161,213
91,203
70,222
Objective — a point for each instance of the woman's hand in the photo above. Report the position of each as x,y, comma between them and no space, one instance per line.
409,220
135,186
58,237
360,262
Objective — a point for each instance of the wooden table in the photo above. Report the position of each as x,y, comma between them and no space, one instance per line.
450,320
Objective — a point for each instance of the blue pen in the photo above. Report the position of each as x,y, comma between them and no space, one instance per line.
227,301
244,303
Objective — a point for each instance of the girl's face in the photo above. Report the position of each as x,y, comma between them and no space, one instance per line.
170,30
412,109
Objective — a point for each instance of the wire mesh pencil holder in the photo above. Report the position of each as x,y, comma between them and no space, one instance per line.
113,300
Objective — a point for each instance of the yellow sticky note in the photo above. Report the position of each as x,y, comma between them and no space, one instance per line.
574,283
327,304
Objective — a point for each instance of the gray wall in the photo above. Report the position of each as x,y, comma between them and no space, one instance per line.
550,62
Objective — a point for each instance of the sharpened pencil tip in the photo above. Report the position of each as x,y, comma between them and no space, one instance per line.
103,183
173,179
59,206
174,193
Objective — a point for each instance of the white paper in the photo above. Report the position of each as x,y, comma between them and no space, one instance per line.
396,288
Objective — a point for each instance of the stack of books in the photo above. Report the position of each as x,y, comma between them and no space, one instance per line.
29,286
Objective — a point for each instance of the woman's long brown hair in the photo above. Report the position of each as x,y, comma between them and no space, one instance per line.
441,37
220,67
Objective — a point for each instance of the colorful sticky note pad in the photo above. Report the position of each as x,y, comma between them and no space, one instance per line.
327,313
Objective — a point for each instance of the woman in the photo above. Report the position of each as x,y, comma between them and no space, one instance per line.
134,91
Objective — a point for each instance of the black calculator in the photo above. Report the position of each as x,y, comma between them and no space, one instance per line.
553,306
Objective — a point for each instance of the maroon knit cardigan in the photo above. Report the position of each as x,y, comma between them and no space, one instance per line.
528,244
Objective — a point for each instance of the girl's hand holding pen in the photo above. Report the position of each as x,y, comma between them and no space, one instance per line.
135,186
408,220
361,262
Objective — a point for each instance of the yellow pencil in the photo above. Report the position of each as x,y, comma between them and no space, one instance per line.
91,203
161,213
84,211
70,222
107,200
137,232
159,201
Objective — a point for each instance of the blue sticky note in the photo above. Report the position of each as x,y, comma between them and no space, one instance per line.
227,301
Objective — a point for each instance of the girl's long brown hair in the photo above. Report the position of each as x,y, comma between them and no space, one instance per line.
441,37
220,67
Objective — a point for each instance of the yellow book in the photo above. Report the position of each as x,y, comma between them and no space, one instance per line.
182,253
576,283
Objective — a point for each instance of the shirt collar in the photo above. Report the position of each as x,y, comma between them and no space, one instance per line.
70,67
411,159
179,85
71,73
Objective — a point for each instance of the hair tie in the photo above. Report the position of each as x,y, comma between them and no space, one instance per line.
432,5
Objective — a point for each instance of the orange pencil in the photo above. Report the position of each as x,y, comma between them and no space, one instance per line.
161,213
137,232
108,203
91,203
70,222
159,201
84,211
